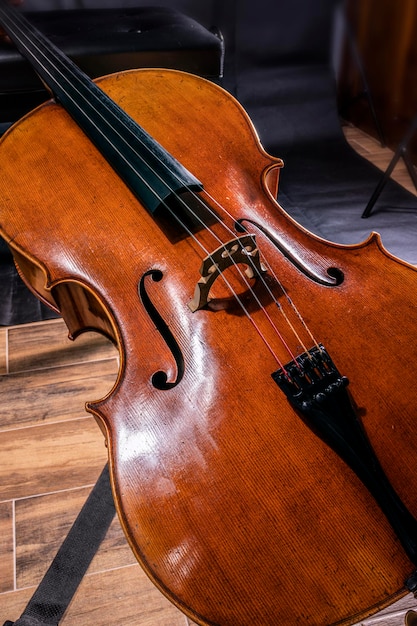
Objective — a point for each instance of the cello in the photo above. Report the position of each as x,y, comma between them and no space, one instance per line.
261,429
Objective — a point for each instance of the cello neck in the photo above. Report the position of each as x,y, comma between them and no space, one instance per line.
151,172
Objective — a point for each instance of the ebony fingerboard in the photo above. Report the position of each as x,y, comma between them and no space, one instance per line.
149,170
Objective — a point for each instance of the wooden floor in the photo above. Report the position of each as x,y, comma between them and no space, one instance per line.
51,453
369,148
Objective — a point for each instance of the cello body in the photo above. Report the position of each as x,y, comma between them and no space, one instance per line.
237,511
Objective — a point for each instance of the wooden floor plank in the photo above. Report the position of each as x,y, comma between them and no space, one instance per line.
42,524
3,351
53,394
50,458
13,603
6,547
127,595
370,149
120,596
46,344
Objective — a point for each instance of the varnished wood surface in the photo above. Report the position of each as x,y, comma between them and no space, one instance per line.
51,453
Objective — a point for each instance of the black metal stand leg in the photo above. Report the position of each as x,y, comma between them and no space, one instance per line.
400,152
382,182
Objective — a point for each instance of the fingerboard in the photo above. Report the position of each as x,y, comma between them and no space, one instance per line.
144,165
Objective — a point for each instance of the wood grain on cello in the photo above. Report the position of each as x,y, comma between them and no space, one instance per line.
142,206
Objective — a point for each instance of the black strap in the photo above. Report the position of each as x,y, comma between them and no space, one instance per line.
55,591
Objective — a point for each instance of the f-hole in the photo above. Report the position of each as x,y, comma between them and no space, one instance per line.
160,378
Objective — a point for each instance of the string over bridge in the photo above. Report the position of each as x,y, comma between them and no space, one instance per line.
239,250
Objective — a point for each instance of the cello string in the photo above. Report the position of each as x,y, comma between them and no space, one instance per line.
281,286
66,67
40,43
37,45
69,67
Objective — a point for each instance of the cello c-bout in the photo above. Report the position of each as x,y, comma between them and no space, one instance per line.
235,507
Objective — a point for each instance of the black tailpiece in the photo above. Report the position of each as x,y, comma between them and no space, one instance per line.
317,390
